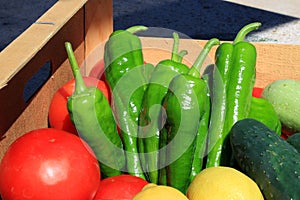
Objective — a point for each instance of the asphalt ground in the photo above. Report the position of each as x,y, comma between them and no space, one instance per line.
199,19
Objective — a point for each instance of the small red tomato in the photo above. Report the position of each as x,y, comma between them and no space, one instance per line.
49,164
123,187
287,132
256,92
58,112
284,136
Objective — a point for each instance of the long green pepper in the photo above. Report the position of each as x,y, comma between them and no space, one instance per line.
185,105
201,137
233,81
93,118
150,122
127,76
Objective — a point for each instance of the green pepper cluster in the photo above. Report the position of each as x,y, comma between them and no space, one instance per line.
173,120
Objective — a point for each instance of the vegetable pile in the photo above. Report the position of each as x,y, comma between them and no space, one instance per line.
164,124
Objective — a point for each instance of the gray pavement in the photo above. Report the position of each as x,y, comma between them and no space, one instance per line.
199,19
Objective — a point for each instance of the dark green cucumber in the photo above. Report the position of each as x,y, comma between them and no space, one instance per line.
294,140
269,160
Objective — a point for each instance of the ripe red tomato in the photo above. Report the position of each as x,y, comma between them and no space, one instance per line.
287,132
58,112
49,164
256,92
284,136
123,187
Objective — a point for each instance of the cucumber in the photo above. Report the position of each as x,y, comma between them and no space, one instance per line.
269,160
284,95
295,141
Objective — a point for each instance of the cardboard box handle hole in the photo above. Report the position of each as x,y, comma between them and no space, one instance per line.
37,81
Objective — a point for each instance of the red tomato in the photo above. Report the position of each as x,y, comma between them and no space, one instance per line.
49,164
284,136
58,112
286,132
123,187
256,92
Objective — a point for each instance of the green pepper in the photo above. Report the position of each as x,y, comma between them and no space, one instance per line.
127,76
123,52
233,81
262,110
162,159
185,105
149,122
93,118
201,137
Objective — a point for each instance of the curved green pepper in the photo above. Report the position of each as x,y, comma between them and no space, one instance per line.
185,105
149,122
262,110
93,118
233,81
127,76
201,137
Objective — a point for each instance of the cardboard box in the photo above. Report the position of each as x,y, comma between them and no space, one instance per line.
87,24
84,23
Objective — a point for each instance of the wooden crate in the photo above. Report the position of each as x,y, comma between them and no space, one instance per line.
87,24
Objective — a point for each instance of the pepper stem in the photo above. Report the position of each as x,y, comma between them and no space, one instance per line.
80,86
196,67
245,30
177,56
135,29
181,54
